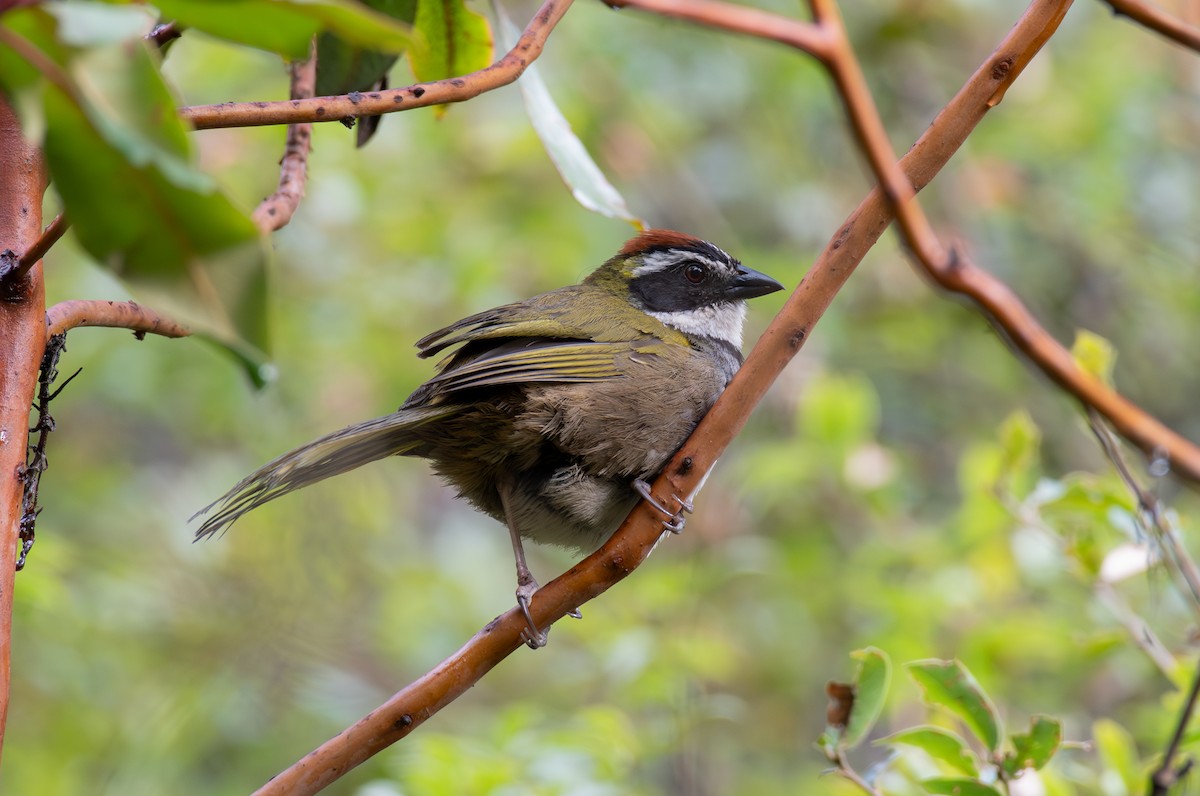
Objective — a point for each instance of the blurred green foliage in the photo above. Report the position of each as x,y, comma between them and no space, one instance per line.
908,484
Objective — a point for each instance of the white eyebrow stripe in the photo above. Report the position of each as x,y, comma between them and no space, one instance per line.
661,261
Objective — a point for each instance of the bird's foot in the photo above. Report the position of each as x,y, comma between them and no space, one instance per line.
533,638
675,519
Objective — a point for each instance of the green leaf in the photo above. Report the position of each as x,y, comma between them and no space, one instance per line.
958,786
287,26
1034,749
587,182
1094,354
343,66
943,745
948,684
454,40
38,27
871,683
121,162
1119,754
1019,442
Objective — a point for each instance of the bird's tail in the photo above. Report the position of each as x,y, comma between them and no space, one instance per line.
328,456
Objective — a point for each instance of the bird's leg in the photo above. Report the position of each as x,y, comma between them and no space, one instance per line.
675,519
526,584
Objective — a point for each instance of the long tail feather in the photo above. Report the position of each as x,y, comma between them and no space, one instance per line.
328,456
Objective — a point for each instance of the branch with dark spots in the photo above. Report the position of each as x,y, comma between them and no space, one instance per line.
140,320
440,92
274,212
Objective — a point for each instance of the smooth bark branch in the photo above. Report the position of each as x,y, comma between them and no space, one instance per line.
22,338
375,103
954,271
738,19
50,236
628,547
274,212
67,315
1159,21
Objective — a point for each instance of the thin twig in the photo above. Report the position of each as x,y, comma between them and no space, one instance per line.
1142,635
35,460
1159,21
140,320
954,271
164,33
739,19
375,103
1150,515
276,210
1166,775
847,772
50,235
625,550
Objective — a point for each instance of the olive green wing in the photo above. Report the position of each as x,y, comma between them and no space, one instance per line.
579,313
525,361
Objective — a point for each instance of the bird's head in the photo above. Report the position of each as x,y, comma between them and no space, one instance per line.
687,283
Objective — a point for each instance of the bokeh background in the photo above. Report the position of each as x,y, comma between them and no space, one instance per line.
886,493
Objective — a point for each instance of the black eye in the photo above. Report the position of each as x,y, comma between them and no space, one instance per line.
694,273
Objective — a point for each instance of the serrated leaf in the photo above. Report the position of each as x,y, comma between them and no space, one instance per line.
948,684
942,745
454,40
1034,749
570,157
120,160
871,683
958,786
287,26
1094,354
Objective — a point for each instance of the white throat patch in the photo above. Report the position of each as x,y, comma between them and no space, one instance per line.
722,321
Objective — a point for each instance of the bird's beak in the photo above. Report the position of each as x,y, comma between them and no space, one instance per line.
751,284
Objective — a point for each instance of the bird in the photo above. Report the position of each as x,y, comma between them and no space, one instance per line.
551,414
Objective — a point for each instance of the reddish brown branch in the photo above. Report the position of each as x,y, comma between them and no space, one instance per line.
276,210
737,19
50,235
627,548
22,339
1159,21
375,103
68,315
955,272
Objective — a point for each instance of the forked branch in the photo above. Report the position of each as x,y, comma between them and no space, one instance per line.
375,103
410,707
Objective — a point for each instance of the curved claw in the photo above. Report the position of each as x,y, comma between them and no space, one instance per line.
533,638
675,519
